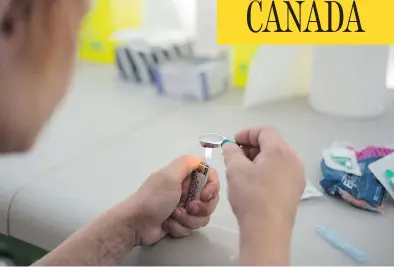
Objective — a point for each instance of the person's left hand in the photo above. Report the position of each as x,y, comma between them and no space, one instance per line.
159,203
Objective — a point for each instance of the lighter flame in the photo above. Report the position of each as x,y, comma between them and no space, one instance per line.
208,153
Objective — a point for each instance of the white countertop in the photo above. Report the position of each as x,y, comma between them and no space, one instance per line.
105,141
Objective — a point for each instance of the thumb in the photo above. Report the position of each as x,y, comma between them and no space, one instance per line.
182,167
233,152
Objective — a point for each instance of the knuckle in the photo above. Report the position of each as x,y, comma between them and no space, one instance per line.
185,221
204,212
172,228
175,215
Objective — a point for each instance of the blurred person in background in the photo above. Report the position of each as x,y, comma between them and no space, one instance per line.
265,181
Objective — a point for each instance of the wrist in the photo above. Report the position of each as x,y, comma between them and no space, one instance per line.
268,216
126,219
266,225
265,238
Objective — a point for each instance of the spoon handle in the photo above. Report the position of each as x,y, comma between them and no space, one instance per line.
227,141
231,141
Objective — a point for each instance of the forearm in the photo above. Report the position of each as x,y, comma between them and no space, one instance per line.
265,241
105,241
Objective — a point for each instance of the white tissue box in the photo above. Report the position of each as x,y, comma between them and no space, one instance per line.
194,79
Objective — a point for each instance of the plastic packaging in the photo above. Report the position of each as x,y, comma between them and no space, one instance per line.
193,79
341,159
364,192
389,174
383,170
339,242
310,191
372,151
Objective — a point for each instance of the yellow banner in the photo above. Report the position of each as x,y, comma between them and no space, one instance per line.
305,22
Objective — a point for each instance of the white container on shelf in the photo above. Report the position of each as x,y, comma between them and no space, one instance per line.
349,81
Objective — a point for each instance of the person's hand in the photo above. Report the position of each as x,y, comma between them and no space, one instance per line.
159,203
265,176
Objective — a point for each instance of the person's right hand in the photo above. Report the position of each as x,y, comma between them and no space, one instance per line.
265,176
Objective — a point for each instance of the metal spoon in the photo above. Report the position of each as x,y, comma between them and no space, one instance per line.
210,141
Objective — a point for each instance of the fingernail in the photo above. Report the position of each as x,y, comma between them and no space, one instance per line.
210,197
226,141
178,213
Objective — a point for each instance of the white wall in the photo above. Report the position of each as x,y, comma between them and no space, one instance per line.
390,82
187,12
161,14
196,17
206,28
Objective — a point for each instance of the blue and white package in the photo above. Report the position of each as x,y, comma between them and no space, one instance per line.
193,79
363,191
